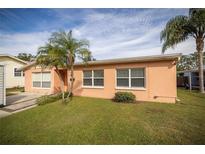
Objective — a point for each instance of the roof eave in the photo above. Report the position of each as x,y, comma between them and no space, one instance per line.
123,60
136,59
12,57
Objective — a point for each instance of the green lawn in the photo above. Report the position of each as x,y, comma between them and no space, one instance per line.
99,121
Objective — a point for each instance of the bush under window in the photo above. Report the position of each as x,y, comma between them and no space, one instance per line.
125,97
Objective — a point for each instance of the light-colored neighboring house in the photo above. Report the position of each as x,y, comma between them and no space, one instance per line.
149,78
189,78
13,77
2,86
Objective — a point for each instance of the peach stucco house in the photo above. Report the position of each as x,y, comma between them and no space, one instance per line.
150,78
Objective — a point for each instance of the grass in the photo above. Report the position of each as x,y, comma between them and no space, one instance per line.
99,121
14,91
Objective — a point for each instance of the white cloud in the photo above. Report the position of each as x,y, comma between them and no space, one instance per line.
22,42
125,35
111,35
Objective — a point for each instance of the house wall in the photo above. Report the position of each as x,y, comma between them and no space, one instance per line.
160,81
57,81
29,85
11,80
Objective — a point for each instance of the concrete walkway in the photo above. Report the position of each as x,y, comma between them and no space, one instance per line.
4,113
21,97
17,103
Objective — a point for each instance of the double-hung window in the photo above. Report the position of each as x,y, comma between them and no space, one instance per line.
41,79
131,78
93,78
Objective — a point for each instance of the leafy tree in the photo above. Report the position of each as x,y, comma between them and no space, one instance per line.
180,28
189,62
26,57
73,48
51,56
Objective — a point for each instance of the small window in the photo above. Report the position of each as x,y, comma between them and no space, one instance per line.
17,73
93,78
131,78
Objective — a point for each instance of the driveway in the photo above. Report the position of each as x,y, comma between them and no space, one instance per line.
20,101
21,97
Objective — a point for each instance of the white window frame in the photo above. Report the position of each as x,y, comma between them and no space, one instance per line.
129,78
92,78
22,73
41,81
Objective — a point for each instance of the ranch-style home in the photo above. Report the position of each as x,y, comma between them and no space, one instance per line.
13,77
150,78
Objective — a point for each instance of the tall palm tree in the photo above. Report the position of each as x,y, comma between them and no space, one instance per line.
51,56
73,48
180,28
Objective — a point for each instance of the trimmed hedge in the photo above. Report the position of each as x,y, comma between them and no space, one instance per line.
125,97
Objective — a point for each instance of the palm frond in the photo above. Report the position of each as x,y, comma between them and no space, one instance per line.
197,20
85,55
174,32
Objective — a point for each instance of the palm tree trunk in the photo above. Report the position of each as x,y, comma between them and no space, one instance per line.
62,83
71,61
200,47
72,80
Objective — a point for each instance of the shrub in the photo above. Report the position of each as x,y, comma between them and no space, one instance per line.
47,99
51,98
125,97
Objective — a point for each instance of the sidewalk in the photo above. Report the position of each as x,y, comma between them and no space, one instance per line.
4,113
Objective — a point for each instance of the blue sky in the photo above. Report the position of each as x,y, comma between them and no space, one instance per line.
112,33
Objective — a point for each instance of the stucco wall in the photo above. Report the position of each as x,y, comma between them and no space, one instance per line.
28,81
11,80
160,82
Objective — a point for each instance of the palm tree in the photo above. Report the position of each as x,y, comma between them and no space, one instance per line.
51,56
180,28
73,48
